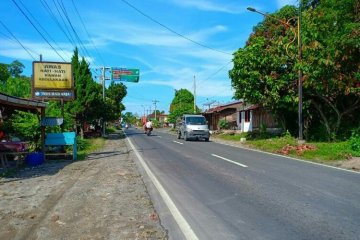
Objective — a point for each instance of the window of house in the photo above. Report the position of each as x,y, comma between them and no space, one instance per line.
240,120
247,116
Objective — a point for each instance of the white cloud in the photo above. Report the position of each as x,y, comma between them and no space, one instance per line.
143,35
217,84
206,5
14,50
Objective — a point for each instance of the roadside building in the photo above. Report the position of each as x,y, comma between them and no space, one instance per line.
241,116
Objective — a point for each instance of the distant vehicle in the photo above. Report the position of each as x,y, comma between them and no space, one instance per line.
193,127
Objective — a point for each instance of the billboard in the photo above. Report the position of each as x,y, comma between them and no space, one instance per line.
52,80
124,74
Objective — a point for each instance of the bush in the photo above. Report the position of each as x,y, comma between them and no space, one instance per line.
82,144
223,124
156,123
354,141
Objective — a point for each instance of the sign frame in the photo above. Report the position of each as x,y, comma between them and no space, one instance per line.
125,74
57,73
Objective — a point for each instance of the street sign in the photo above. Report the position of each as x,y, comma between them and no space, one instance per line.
53,81
124,74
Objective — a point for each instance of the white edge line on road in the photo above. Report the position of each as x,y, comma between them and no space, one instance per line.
228,160
296,159
180,220
178,142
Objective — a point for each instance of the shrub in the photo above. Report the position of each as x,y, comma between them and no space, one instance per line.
156,123
223,124
82,144
354,141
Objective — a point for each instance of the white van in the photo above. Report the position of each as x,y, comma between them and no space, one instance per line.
193,127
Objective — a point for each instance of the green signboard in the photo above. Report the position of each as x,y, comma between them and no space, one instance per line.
124,74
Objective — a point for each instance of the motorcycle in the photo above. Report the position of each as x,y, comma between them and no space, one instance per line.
148,131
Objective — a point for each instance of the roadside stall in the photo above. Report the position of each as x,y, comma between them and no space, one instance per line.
8,104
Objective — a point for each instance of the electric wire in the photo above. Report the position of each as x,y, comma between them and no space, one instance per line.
17,40
53,17
171,30
87,32
64,23
37,30
216,72
43,29
62,7
7,37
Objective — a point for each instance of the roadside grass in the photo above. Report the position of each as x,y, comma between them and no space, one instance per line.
323,152
87,146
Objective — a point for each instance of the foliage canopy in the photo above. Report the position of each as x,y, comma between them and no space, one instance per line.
266,70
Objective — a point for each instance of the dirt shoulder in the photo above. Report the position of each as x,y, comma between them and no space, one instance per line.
103,197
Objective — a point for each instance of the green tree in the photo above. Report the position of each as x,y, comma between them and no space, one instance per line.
332,62
114,96
265,70
26,126
88,105
128,117
4,72
182,103
16,68
17,86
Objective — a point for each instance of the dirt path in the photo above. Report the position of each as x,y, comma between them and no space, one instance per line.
103,197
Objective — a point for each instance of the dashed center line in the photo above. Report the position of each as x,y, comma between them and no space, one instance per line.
178,142
228,160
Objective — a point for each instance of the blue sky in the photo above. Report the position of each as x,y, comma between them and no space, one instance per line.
170,41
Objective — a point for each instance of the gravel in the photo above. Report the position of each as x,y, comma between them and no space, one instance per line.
102,197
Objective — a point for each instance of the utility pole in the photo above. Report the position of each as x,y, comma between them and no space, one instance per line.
103,78
144,117
300,84
194,95
155,101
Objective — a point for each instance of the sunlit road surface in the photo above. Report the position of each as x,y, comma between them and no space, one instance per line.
223,192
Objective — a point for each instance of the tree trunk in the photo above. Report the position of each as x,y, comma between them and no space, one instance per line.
324,119
82,131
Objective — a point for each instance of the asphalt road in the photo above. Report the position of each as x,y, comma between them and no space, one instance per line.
225,192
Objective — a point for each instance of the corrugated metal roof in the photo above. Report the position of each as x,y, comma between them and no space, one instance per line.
51,121
222,107
22,101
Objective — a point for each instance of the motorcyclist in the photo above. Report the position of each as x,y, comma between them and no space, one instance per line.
148,125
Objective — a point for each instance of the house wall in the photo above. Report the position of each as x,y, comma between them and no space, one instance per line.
245,126
261,116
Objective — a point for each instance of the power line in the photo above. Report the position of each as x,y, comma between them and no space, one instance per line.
82,22
171,30
216,72
43,29
62,7
64,23
11,39
17,40
52,15
37,30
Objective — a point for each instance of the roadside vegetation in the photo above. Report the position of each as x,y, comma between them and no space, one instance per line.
287,145
265,72
88,109
87,146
